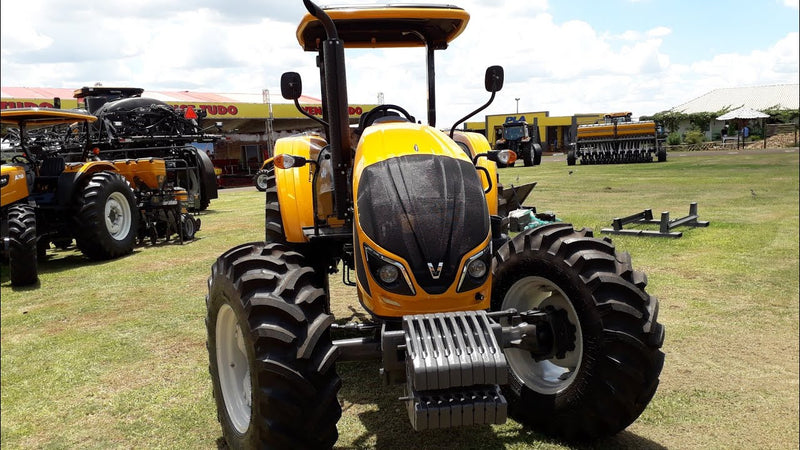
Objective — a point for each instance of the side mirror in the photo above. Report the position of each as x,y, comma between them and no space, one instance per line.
494,79
291,85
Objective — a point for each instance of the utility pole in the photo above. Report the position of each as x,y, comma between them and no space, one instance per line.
517,99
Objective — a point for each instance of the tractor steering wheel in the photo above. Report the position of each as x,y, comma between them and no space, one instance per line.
381,111
19,159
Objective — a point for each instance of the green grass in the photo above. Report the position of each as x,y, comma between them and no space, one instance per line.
112,354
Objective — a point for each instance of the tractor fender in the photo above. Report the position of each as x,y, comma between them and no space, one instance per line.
15,187
477,143
208,178
75,175
295,187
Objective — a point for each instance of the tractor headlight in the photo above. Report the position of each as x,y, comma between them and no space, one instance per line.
388,273
3,180
475,271
476,268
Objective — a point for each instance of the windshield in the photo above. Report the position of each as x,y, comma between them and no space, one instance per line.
514,133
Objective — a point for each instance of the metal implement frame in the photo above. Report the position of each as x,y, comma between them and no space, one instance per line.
665,224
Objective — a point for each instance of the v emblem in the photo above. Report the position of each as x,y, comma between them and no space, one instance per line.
437,272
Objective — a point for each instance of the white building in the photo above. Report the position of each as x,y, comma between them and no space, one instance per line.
759,98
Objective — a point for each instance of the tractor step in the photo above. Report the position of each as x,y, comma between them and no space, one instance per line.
454,366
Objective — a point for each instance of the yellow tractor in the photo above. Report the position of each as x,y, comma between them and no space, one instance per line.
551,327
55,190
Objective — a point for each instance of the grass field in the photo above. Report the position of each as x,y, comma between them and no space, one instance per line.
112,354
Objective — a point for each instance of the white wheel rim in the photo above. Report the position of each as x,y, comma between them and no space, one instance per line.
118,216
553,375
262,181
188,227
234,369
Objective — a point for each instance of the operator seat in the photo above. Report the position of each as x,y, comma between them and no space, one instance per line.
49,172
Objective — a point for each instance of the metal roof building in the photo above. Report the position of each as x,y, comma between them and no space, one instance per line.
782,96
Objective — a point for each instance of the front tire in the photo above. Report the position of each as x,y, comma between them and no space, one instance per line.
571,159
107,217
22,250
271,358
272,215
604,383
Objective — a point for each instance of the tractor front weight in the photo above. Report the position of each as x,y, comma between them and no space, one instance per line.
453,363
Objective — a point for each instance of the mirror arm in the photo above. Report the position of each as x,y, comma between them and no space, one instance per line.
305,113
488,178
453,128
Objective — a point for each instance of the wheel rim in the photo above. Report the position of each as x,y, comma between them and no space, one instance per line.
234,369
188,227
553,375
118,216
262,181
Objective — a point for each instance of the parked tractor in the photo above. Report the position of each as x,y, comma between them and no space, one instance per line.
517,136
55,190
618,140
551,327
132,126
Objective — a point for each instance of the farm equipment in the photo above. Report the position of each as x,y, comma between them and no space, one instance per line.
617,141
551,327
130,126
517,136
55,191
665,224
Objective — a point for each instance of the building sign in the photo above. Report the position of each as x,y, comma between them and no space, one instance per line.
213,110
352,111
66,103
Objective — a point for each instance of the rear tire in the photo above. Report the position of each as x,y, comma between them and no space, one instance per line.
571,158
604,383
107,217
22,269
527,155
662,155
537,154
271,358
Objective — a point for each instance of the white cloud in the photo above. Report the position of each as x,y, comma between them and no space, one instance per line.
794,4
562,67
659,32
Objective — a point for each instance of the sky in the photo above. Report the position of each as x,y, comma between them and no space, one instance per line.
565,57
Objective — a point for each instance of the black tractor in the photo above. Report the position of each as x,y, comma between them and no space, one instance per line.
517,136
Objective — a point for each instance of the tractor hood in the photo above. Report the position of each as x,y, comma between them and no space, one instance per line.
426,206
